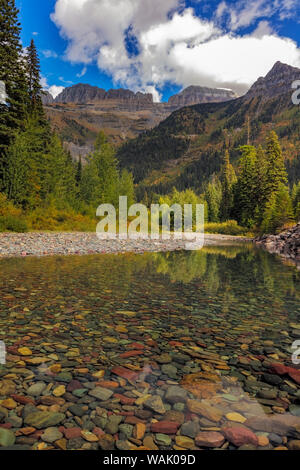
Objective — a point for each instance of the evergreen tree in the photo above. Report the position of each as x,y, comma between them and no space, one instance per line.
296,201
228,178
246,188
79,172
34,81
278,210
126,187
276,173
12,73
213,196
59,185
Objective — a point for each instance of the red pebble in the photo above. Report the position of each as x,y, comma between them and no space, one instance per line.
165,427
124,400
127,354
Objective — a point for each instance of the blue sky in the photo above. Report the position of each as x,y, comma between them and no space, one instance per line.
160,46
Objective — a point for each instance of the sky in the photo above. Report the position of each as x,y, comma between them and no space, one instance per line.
160,46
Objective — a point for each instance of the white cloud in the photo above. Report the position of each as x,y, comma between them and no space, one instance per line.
54,90
49,54
244,13
263,29
82,73
174,45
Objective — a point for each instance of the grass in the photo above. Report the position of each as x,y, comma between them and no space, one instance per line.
230,227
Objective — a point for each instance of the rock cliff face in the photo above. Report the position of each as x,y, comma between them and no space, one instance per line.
86,94
286,244
197,94
47,98
277,82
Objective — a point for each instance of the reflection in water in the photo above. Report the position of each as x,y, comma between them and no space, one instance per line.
153,350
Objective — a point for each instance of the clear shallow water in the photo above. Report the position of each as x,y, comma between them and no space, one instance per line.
211,322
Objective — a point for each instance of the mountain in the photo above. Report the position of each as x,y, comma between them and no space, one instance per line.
196,94
81,111
47,98
85,94
277,82
187,148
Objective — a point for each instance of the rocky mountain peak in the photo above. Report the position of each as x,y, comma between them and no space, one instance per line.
84,94
277,82
198,94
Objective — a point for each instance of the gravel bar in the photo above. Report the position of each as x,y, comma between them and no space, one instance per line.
75,243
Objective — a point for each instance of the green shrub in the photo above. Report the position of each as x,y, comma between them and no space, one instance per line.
230,227
10,223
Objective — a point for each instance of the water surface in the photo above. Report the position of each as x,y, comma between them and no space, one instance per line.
212,322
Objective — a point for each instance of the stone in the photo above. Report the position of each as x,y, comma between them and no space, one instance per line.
294,445
202,384
72,433
124,373
174,415
149,443
106,442
51,435
126,430
112,424
176,394
36,389
59,391
165,427
25,351
163,439
7,387
155,404
44,419
185,442
204,409
7,438
9,403
101,394
236,417
89,436
139,431
240,435
263,441
190,429
209,439
77,410
170,371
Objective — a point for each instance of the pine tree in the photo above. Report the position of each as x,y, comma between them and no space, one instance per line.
79,172
228,178
213,196
278,210
276,173
246,188
34,81
59,182
126,187
12,73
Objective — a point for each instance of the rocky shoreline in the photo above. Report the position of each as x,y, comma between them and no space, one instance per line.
286,244
76,243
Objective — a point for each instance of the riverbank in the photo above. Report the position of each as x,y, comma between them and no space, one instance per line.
79,243
285,244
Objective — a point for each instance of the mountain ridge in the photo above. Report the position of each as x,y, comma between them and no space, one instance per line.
188,147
